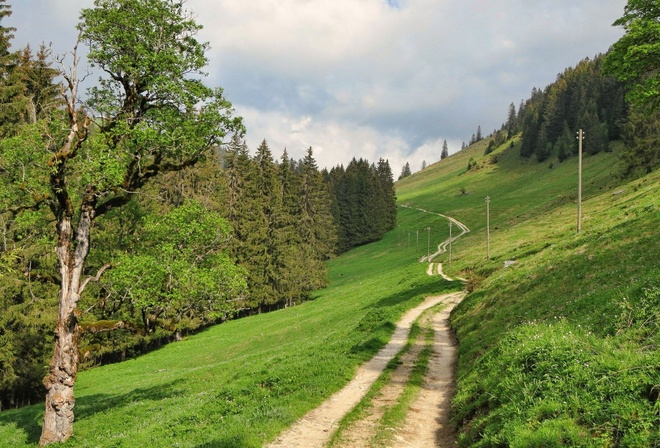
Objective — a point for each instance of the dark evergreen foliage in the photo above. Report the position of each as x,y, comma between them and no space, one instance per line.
405,171
365,201
581,98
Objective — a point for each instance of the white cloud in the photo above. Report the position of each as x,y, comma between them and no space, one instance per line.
372,78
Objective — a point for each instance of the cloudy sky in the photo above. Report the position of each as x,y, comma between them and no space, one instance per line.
371,78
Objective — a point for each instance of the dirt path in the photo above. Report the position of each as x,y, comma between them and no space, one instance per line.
442,247
362,432
316,428
427,424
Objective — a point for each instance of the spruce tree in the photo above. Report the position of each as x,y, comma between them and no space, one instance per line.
264,271
316,225
386,179
405,171
445,150
6,34
511,122
288,258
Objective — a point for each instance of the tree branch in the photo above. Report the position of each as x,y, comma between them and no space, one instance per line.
95,278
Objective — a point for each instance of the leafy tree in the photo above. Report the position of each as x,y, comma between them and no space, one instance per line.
642,135
445,151
635,58
154,117
182,271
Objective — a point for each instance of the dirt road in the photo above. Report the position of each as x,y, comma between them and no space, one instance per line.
426,424
316,428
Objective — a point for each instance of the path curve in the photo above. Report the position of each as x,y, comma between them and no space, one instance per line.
442,247
316,427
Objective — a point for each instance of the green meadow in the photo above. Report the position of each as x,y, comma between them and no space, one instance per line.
559,348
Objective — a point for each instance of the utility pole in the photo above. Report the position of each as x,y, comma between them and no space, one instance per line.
450,243
579,201
488,227
417,247
428,242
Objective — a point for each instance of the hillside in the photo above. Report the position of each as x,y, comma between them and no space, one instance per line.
561,346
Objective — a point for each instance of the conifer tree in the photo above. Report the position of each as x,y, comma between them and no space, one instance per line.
511,122
405,171
6,34
316,225
386,179
287,256
264,271
445,151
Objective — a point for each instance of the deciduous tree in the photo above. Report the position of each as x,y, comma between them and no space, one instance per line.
635,58
154,115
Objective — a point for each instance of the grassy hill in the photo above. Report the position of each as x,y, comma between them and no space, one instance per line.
560,347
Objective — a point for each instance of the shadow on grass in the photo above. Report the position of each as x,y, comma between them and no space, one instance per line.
89,405
233,442
380,321
29,418
432,286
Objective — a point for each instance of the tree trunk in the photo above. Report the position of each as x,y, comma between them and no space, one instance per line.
58,415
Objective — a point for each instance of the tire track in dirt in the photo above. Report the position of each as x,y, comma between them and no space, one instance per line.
316,427
427,423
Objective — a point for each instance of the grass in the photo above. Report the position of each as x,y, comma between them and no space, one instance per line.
549,354
240,383
560,348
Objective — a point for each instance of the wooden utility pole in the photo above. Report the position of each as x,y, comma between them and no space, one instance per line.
428,243
449,244
579,200
487,227
417,247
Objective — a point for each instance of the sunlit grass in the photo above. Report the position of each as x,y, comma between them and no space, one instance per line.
562,286
240,383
